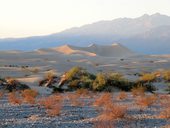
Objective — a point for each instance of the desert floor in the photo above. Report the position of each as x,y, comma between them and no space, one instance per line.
83,113
30,68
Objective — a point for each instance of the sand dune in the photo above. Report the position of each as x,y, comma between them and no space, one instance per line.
68,49
114,50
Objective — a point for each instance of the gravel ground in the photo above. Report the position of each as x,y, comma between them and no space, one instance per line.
34,116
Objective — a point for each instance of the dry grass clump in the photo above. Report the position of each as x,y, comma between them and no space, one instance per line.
148,77
113,111
110,111
166,75
103,100
29,96
10,81
50,101
55,110
1,94
138,91
14,99
146,101
122,95
53,104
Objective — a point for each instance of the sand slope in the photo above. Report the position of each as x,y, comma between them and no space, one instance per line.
114,50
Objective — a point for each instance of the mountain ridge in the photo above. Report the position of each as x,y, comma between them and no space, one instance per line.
127,31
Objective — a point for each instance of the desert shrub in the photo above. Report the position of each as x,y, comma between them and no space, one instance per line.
117,80
73,73
166,75
74,84
122,95
78,77
52,104
138,91
51,101
13,85
113,111
103,100
1,94
29,95
87,80
14,99
148,77
55,110
100,82
10,81
146,101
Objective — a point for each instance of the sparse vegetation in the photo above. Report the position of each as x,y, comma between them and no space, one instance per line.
53,104
14,99
29,96
166,75
147,78
138,91
113,111
100,82
146,101
122,95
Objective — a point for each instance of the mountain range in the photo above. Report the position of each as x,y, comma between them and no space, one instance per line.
148,34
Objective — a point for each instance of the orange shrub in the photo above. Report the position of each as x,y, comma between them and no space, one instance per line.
122,95
113,111
13,99
1,94
103,100
29,96
146,100
52,104
138,91
55,110
51,101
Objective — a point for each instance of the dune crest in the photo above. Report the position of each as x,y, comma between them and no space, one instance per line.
114,50
68,49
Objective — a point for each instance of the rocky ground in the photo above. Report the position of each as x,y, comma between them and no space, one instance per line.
80,116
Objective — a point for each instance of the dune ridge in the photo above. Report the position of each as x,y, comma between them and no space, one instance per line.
114,50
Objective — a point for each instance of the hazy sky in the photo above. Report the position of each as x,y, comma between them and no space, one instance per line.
20,18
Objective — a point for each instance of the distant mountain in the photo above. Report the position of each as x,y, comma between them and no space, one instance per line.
149,34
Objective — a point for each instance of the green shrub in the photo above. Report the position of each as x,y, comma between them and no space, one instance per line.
166,76
73,73
148,77
100,82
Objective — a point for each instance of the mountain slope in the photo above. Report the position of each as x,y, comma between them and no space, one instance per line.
147,34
